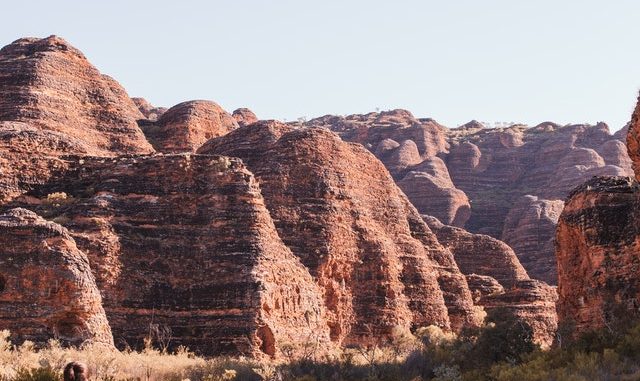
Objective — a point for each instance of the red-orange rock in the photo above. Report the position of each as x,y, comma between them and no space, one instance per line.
29,157
338,210
148,110
399,125
198,254
50,85
597,246
633,140
482,286
187,126
47,289
488,168
479,254
498,280
597,250
408,148
532,301
244,116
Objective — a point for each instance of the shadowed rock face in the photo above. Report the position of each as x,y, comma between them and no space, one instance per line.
531,301
338,210
47,289
527,228
488,171
187,126
29,157
198,254
498,280
50,85
430,188
597,249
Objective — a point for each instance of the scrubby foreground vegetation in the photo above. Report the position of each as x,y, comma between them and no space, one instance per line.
502,350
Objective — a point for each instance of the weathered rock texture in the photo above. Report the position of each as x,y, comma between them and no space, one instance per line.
244,116
53,102
310,242
29,157
430,188
597,248
488,171
149,111
498,280
47,289
408,148
335,206
50,85
198,254
633,140
187,126
527,228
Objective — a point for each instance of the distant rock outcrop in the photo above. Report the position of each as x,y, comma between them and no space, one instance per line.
529,229
498,280
488,171
431,190
149,111
47,289
244,116
408,148
187,126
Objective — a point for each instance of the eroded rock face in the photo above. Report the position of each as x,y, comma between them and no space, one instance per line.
498,280
198,254
529,229
431,190
335,206
399,125
191,243
633,139
50,85
494,166
29,156
532,301
53,102
408,148
47,289
597,249
244,116
479,254
187,126
488,171
149,111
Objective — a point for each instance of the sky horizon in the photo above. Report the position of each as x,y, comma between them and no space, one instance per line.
492,61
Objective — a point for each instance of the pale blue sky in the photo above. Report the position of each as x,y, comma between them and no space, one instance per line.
490,60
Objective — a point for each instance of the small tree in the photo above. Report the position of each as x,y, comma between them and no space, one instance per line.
505,338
